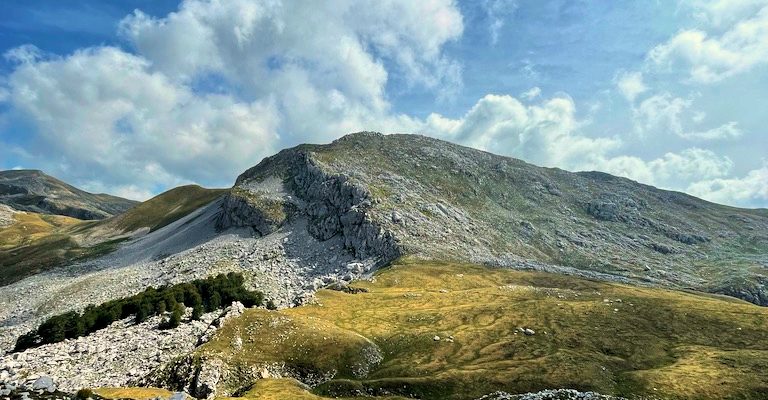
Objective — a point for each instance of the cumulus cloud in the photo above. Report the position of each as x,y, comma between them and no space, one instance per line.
670,171
660,113
102,109
713,58
544,133
212,88
663,114
548,134
630,84
751,190
332,44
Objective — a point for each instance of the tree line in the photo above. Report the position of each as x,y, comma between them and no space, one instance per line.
202,295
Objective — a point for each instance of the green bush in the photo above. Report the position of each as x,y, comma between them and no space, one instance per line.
84,394
203,295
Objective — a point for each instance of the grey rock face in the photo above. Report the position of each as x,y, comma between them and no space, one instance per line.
334,205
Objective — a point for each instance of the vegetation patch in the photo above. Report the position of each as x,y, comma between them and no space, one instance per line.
165,208
453,331
202,295
135,393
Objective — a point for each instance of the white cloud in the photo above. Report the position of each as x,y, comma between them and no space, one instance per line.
549,134
750,190
713,58
719,13
332,44
672,170
23,54
102,109
281,74
498,11
664,113
630,84
544,134
531,93
660,114
725,131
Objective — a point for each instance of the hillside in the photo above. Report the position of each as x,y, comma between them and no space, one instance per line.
451,331
403,194
32,190
32,242
614,271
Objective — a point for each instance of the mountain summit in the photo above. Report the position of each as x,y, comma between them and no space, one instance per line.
392,195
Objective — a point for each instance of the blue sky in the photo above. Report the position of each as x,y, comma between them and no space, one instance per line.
135,97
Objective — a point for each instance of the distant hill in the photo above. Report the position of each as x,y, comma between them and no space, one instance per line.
32,190
32,242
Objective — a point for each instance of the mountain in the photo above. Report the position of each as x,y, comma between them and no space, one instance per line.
31,242
34,191
390,195
375,245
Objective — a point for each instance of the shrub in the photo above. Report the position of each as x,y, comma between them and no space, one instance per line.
202,295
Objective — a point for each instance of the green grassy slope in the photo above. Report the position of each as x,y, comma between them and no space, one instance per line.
605,337
36,242
165,208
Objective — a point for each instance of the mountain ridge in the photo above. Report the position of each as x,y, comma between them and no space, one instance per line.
471,205
35,191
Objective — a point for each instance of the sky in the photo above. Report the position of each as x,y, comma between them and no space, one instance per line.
135,97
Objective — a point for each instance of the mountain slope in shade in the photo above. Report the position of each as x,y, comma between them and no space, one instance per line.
34,191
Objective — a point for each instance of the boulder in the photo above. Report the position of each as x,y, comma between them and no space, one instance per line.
44,383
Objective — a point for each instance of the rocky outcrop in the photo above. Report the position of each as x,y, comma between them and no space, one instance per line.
6,216
552,394
198,376
753,290
334,205
119,355
244,209
337,206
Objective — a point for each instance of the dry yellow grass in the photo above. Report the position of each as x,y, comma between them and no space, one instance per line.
136,393
31,226
610,338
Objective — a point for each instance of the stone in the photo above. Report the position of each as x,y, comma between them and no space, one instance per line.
529,332
43,383
178,396
436,338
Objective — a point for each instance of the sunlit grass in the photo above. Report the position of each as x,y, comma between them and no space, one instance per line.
605,337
